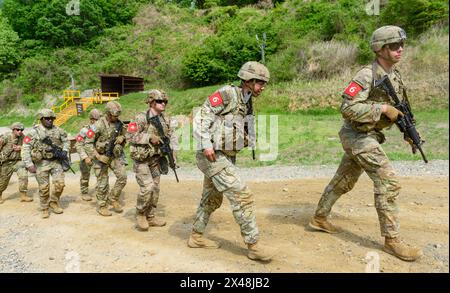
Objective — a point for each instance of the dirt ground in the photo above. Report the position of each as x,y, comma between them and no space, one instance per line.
80,240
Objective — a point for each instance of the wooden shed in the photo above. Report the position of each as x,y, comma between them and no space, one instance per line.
121,84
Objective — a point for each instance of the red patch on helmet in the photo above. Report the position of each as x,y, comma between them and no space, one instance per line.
132,127
215,99
90,133
353,89
79,138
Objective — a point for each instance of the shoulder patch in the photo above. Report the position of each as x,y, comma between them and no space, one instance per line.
216,99
79,138
132,127
27,139
352,89
90,133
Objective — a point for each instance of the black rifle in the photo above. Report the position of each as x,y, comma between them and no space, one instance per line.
249,127
406,122
165,146
59,154
117,130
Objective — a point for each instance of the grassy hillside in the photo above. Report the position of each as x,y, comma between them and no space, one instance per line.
313,49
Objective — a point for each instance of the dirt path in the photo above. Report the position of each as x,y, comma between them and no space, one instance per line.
31,244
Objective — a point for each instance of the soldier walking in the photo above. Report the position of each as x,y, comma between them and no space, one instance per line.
367,110
10,161
109,141
39,158
149,161
217,154
85,148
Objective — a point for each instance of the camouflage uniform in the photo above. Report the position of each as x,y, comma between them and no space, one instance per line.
361,139
216,130
85,149
147,158
35,152
103,131
10,162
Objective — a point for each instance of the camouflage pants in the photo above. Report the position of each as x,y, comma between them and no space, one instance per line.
85,170
148,177
102,187
225,182
44,169
386,186
6,171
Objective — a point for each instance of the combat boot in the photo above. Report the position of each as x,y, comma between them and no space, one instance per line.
25,198
155,222
86,197
398,248
103,210
116,207
45,214
196,240
260,252
141,222
1,199
322,224
56,208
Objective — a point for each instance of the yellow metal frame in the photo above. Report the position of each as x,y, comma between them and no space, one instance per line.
68,109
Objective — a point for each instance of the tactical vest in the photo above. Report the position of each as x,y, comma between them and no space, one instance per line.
40,150
379,96
228,133
104,132
7,153
142,152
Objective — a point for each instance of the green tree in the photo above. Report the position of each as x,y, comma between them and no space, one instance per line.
9,53
48,20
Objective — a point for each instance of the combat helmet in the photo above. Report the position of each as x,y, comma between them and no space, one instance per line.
254,70
386,35
156,95
95,114
17,125
45,113
113,108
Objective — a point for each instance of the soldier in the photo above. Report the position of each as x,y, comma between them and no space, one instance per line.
217,154
109,141
85,148
367,111
149,162
39,159
10,161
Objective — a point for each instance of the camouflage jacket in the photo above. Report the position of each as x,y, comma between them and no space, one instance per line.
361,108
34,150
7,141
219,124
85,142
140,132
103,132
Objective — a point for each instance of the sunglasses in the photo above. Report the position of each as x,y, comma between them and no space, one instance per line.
161,101
49,118
19,129
395,46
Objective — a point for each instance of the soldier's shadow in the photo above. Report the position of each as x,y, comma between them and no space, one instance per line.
301,215
182,229
32,192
